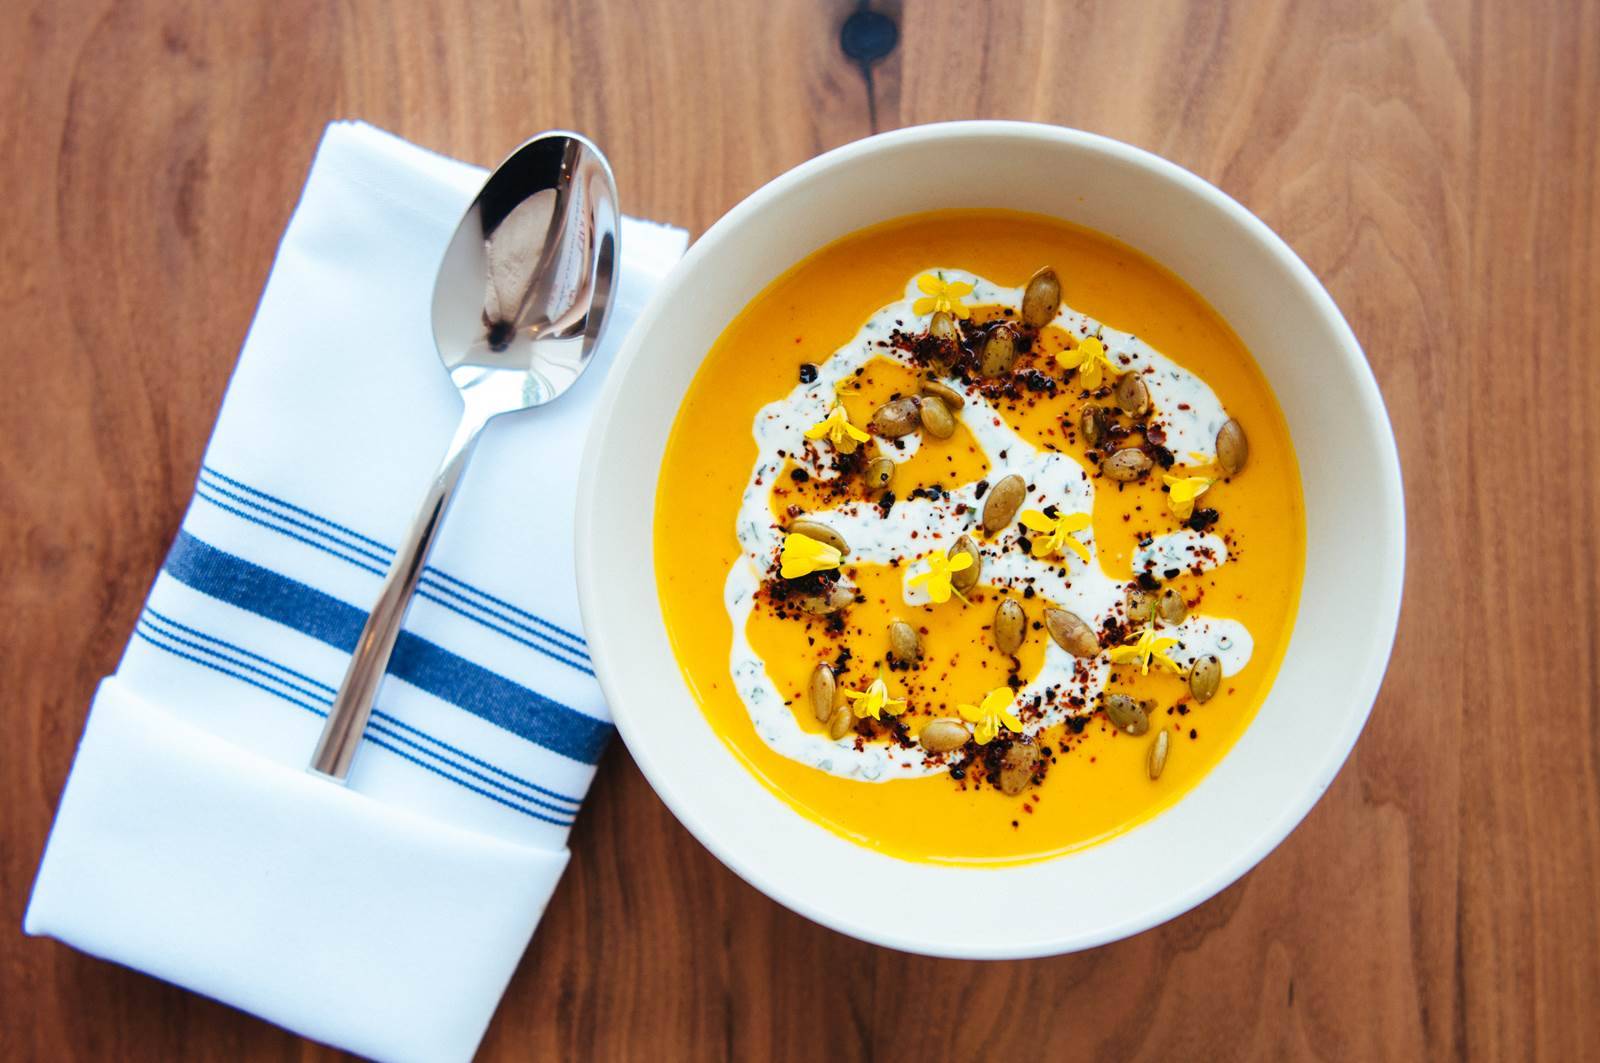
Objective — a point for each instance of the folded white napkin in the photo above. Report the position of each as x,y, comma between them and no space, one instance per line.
190,842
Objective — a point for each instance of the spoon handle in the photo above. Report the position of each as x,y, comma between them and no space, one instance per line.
347,717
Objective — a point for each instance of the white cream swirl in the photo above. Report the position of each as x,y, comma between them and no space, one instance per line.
1190,414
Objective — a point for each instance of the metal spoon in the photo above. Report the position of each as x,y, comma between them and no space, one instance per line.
518,307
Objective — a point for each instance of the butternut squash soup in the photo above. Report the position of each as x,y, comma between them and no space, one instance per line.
979,537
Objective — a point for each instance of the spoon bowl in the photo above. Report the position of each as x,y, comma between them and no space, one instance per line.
526,280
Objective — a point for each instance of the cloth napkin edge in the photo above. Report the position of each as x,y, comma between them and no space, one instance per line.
65,887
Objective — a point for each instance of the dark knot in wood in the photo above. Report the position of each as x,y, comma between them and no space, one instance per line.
868,36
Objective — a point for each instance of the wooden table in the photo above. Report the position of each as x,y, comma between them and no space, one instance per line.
1435,162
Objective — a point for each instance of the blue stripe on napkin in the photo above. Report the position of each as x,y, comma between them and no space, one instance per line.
384,555
376,734
323,693
296,522
426,666
315,696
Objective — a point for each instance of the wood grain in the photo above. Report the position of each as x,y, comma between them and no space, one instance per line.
1434,161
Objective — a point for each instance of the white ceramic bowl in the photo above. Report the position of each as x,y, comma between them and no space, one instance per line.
1354,547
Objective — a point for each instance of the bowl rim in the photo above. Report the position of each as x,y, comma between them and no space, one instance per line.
1386,600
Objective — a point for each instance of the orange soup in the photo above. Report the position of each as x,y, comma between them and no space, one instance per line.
979,537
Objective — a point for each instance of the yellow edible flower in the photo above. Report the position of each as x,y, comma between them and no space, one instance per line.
873,700
940,569
1182,491
941,295
1148,647
844,436
1055,532
1088,357
803,555
988,717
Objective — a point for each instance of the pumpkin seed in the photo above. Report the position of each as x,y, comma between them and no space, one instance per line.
821,533
823,689
1141,605
880,474
839,723
1132,395
832,600
1002,503
967,578
999,351
905,645
1016,767
1041,298
1071,633
1158,754
1093,423
1126,465
943,735
1010,625
952,398
1205,676
895,418
942,326
937,420
1232,447
1126,714
1171,607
